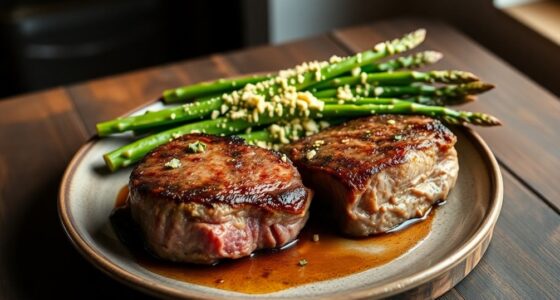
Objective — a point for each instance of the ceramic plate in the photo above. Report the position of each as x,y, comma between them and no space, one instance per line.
461,231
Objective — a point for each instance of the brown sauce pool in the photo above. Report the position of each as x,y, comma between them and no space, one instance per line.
332,256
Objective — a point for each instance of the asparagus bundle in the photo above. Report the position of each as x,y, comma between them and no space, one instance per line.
305,99
217,87
300,77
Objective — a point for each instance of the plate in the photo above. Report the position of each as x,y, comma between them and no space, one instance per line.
460,234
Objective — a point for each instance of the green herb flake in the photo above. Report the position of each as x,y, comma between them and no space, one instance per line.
302,262
398,137
197,147
173,163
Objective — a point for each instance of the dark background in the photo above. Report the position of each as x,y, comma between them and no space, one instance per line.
55,42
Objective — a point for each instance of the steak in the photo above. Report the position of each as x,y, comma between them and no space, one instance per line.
202,198
376,172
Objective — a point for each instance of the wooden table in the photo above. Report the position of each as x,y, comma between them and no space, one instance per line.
40,132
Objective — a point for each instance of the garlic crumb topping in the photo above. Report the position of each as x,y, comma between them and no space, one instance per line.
344,93
197,147
310,154
215,114
173,164
363,78
356,71
318,143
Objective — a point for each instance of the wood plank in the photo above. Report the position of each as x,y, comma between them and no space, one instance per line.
528,142
107,98
522,260
40,132
274,58
542,16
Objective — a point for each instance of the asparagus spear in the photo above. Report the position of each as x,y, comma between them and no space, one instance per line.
396,106
367,57
186,112
424,100
152,130
133,152
210,88
399,78
258,136
441,101
411,61
448,91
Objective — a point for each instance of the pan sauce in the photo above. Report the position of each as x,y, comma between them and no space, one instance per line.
268,271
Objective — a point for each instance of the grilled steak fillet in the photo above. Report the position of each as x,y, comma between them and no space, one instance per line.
224,202
379,171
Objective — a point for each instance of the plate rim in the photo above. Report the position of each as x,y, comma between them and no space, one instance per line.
116,272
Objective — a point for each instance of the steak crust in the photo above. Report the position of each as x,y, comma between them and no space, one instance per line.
224,202
377,172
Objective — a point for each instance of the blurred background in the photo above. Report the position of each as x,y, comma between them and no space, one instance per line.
45,43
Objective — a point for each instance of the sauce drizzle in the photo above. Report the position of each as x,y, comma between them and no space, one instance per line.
332,256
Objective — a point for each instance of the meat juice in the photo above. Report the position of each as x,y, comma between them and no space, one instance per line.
318,254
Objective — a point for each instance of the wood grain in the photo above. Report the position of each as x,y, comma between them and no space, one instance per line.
273,58
543,16
39,133
107,98
453,294
528,142
522,261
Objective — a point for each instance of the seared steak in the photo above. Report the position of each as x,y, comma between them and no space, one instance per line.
376,172
201,198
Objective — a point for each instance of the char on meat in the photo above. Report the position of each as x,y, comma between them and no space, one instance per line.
224,202
374,173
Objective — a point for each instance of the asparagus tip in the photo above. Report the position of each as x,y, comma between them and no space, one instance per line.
420,33
478,87
469,98
468,76
493,121
486,86
432,56
407,42
483,119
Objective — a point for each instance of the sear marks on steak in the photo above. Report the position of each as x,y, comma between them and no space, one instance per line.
224,202
376,172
